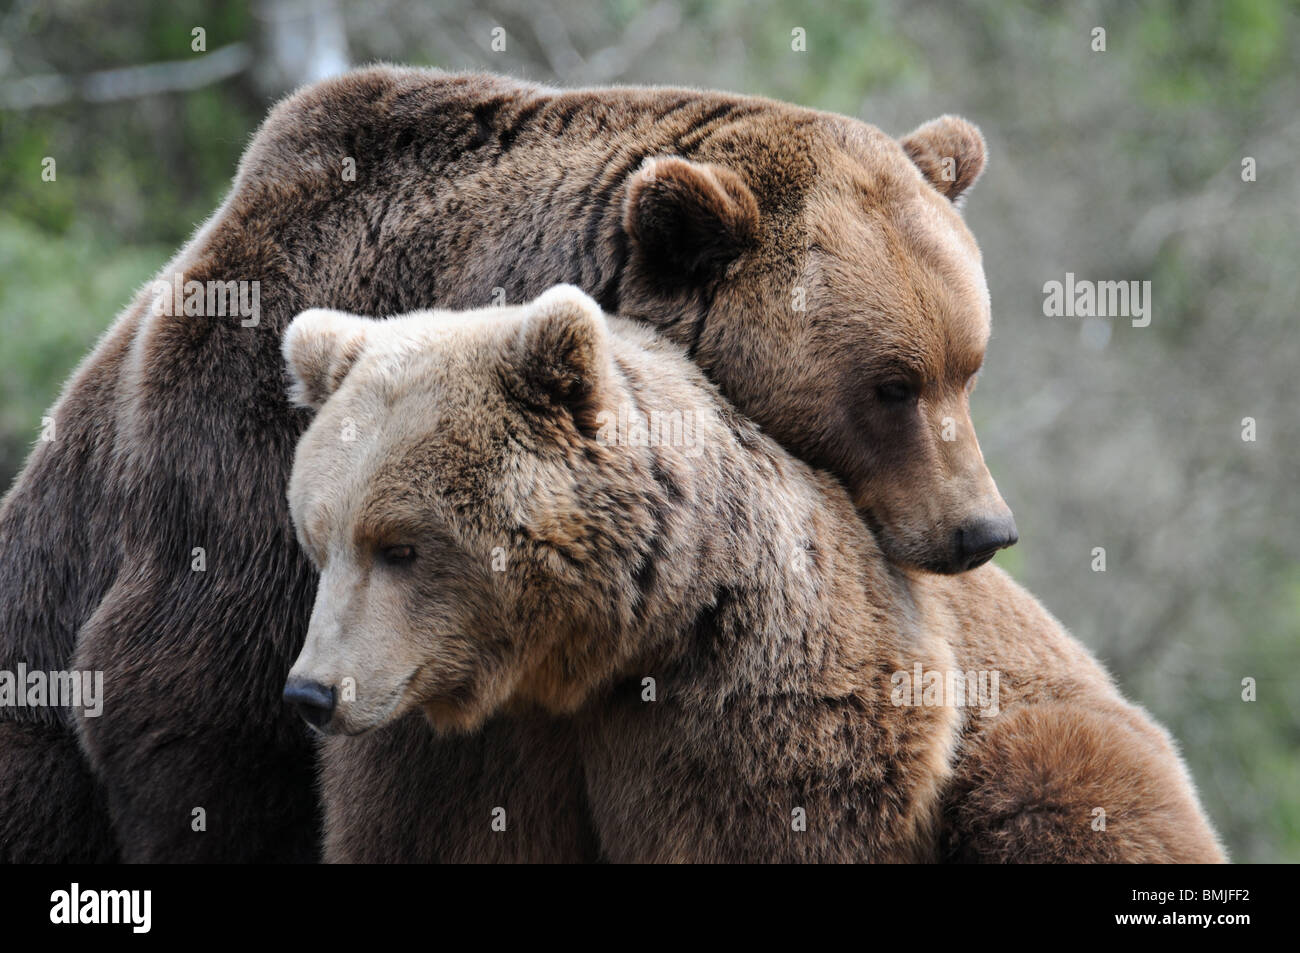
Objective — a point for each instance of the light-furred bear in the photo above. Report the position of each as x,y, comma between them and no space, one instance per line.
528,508
815,268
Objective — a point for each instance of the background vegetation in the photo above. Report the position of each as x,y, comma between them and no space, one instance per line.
1116,165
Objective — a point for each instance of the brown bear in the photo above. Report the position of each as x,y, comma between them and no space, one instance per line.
528,509
815,268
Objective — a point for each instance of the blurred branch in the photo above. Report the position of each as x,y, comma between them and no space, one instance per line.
556,45
130,82
641,34
1209,207
303,42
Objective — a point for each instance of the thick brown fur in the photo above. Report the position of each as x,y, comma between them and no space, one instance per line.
821,256
1068,771
735,583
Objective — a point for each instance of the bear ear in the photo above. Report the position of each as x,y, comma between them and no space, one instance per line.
320,348
950,153
564,354
689,217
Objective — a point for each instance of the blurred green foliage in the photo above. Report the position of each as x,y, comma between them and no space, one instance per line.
55,292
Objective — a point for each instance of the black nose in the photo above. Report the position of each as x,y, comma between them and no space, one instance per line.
978,540
313,700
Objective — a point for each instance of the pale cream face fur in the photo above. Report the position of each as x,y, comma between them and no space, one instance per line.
405,492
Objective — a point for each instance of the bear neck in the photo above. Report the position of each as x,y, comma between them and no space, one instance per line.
756,563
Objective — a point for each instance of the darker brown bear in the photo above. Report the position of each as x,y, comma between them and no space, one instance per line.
803,259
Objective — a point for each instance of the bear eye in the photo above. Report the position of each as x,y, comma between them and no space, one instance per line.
894,392
397,555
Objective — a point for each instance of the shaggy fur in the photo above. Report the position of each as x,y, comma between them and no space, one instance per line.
802,258
552,565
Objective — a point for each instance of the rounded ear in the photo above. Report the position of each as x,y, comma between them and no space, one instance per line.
564,354
689,217
320,348
950,153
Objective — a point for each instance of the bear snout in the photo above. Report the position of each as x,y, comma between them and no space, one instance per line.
314,702
979,540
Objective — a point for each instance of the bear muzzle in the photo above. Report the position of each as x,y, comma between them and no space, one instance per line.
314,702
979,540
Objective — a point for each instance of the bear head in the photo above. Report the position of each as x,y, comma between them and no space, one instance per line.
843,307
475,532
